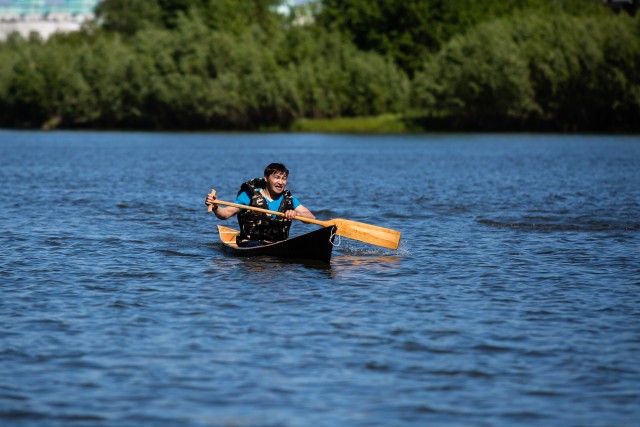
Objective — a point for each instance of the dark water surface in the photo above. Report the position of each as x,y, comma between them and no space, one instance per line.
514,298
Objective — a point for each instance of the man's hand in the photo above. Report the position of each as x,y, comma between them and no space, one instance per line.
210,200
290,214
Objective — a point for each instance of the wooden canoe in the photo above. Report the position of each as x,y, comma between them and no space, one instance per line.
316,245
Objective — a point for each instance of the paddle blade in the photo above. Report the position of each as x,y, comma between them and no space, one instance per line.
371,234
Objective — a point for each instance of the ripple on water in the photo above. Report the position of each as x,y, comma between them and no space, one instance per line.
513,295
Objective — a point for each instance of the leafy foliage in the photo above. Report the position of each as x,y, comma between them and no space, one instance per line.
239,64
129,16
408,30
558,71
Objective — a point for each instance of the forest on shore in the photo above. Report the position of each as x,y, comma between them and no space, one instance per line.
411,65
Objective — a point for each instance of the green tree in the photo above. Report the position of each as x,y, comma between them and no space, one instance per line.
410,29
552,70
8,59
129,16
334,78
235,16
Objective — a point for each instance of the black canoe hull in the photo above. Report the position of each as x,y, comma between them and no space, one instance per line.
316,245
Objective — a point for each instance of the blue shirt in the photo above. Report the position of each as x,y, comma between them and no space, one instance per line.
244,199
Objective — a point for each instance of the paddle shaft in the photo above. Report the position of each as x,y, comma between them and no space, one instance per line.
267,211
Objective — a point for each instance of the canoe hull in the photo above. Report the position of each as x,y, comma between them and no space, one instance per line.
316,245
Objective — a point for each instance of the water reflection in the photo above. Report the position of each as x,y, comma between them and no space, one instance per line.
269,268
346,267
353,261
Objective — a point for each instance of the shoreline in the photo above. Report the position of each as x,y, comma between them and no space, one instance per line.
384,124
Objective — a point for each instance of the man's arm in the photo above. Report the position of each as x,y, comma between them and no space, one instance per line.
225,212
304,212
222,212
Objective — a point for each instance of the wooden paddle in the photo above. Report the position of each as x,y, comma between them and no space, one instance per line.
371,234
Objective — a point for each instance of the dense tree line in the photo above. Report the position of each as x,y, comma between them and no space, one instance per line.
536,71
241,64
409,29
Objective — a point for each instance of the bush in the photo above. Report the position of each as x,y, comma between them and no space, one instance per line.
555,71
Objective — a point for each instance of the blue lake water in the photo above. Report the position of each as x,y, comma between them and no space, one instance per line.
514,298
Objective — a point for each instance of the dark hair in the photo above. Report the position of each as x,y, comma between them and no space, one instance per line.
275,167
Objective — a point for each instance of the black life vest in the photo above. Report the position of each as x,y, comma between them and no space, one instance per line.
256,226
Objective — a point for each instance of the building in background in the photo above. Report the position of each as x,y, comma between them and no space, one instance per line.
44,17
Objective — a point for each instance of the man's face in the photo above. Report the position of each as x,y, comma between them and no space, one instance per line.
276,182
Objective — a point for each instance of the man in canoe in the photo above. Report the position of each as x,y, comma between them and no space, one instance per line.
267,193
